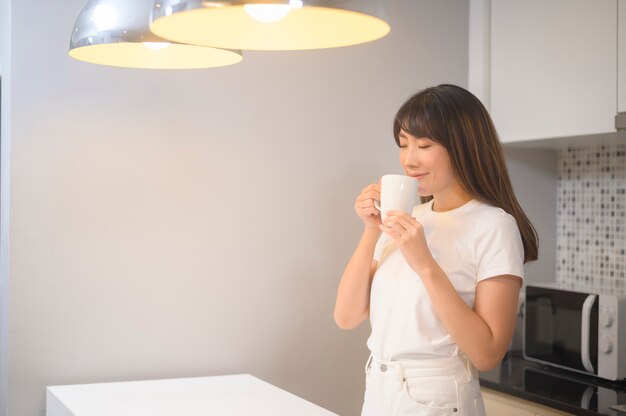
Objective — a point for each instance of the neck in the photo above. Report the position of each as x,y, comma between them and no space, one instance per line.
446,201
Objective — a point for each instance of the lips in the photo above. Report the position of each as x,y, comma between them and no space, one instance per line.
417,176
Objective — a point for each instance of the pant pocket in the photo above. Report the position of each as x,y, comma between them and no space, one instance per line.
432,396
372,398
479,407
470,399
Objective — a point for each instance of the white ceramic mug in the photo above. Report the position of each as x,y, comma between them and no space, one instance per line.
397,193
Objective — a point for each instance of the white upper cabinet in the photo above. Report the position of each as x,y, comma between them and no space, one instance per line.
621,56
545,68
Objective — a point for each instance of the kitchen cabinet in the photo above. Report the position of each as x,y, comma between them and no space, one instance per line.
546,68
229,395
497,404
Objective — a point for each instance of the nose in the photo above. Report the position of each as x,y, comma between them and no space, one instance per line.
411,159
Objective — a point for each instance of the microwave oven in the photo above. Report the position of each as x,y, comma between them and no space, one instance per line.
578,331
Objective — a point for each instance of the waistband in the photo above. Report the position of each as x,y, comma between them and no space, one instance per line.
446,366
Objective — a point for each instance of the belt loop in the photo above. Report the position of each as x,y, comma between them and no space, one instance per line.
468,370
470,367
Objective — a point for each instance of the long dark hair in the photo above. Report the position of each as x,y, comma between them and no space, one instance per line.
456,119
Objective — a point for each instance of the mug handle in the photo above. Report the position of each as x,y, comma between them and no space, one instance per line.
377,205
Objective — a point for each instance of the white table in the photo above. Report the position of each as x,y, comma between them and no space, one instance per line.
232,395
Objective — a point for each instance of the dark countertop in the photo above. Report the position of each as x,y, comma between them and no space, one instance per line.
560,389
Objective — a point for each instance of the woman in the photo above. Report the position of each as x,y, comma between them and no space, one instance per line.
440,286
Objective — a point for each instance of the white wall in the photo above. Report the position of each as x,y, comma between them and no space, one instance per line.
5,151
191,223
534,176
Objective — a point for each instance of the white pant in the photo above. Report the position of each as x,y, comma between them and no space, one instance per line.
433,387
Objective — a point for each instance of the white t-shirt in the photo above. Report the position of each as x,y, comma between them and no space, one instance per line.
471,243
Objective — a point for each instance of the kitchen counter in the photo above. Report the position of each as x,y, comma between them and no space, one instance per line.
559,389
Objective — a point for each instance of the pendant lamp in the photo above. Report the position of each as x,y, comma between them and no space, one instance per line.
116,33
270,24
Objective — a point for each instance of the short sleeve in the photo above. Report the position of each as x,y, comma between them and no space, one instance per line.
499,248
380,246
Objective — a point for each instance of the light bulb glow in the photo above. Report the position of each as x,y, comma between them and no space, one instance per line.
267,13
104,16
156,46
295,4
302,28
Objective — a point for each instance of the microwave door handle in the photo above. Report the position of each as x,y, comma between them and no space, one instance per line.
584,333
585,399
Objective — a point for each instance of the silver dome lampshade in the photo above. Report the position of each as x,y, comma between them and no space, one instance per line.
270,24
116,33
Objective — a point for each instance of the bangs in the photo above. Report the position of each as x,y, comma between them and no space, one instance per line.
420,116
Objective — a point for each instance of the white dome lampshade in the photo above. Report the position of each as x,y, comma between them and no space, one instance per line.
270,24
116,33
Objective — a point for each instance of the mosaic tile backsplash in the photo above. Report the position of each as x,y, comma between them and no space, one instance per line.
591,218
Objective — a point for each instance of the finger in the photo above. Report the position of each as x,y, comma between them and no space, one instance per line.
393,217
371,187
389,221
402,217
390,231
398,229
373,212
392,224
365,205
403,224
368,195
372,195
398,213
406,222
368,203
367,192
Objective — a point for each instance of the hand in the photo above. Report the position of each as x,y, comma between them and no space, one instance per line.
409,237
364,206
